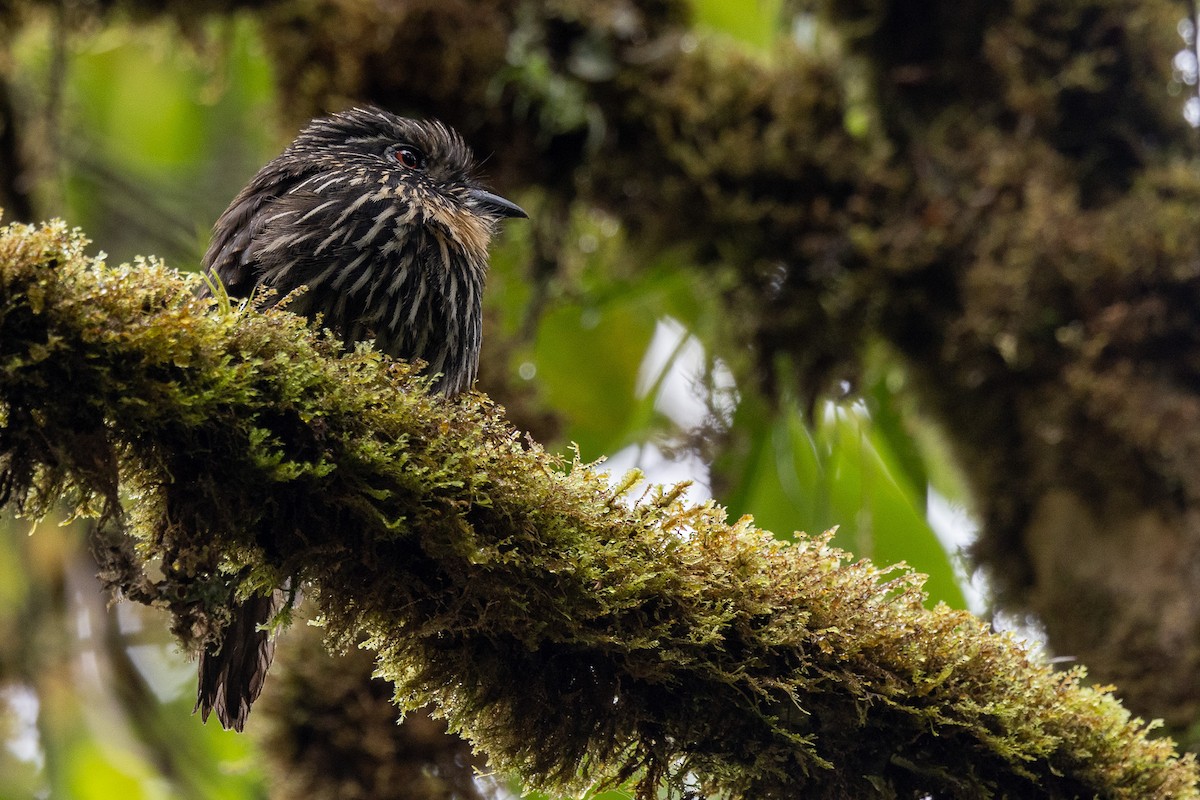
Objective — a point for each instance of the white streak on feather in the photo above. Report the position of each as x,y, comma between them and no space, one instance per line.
330,182
316,210
398,307
399,276
348,270
350,209
380,220
268,220
327,241
445,251
362,281
324,276
281,242
302,184
414,303
399,233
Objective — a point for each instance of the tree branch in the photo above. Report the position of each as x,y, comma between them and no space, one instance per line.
575,634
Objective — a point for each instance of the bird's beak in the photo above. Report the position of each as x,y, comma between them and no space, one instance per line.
496,205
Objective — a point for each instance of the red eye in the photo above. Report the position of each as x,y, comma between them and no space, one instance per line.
410,157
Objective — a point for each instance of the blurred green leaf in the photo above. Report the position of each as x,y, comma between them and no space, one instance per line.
14,575
754,22
110,86
921,453
156,133
98,772
885,513
594,333
588,359
844,474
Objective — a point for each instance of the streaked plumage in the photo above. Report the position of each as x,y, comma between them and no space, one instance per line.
378,224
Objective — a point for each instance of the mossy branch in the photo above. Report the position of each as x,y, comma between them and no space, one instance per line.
578,635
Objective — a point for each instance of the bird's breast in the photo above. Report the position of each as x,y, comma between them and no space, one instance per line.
379,265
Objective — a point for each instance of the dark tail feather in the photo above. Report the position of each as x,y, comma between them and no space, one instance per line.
232,672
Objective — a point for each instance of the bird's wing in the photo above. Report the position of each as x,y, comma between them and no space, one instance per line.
230,255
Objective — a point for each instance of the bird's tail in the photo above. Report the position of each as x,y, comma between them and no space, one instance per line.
233,670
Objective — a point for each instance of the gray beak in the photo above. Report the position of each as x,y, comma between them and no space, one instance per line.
496,205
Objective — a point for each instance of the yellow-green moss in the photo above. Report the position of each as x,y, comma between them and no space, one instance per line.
576,634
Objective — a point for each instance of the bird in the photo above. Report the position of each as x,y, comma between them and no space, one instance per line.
378,225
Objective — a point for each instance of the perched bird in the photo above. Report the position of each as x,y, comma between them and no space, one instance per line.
378,224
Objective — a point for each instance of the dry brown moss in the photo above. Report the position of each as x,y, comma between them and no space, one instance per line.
574,635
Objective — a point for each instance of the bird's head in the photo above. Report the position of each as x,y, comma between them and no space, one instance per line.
423,164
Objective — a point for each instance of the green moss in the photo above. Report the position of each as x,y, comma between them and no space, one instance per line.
503,585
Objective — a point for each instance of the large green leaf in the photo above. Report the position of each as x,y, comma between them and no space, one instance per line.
844,474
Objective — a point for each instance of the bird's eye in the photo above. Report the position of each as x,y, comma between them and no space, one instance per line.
410,157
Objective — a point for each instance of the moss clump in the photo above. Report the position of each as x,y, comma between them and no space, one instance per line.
505,586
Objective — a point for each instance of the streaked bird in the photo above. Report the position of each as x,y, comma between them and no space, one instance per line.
378,224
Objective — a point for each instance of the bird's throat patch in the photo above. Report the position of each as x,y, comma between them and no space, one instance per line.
471,232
